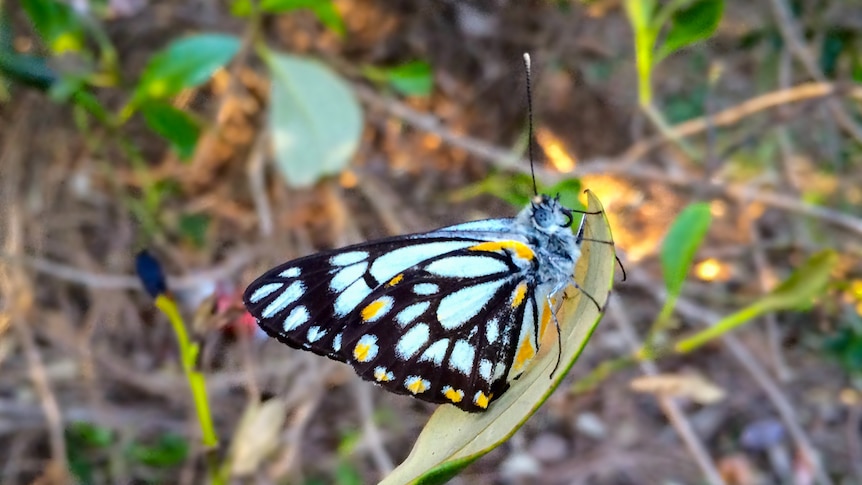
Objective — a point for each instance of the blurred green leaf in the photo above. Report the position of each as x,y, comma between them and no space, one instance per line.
194,228
241,8
834,43
795,293
28,70
57,24
81,433
411,79
185,63
179,128
845,346
324,10
347,474
315,120
170,450
517,190
692,24
681,242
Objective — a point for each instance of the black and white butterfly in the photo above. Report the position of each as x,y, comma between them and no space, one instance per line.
448,316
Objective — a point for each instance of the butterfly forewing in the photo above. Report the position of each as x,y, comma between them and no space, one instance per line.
448,317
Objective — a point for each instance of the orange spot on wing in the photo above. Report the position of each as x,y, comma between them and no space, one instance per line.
360,352
397,279
416,386
482,400
453,395
520,249
372,310
525,353
546,318
518,296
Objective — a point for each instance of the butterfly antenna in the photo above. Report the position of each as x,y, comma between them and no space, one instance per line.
530,121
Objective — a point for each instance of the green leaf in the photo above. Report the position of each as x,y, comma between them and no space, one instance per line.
194,228
411,79
84,434
179,128
692,24
795,293
170,450
681,242
452,439
57,24
314,118
185,63
324,10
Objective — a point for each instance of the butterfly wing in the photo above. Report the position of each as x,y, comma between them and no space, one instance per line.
447,316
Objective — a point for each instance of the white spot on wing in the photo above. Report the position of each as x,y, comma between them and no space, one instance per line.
290,272
264,291
398,260
344,259
346,276
466,267
351,297
295,318
462,357
435,352
315,333
288,296
457,308
406,316
425,289
412,341
492,330
485,369
336,342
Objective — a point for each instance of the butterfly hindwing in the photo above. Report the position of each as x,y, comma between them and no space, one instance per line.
449,316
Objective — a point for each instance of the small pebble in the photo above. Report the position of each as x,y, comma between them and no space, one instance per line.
589,424
549,448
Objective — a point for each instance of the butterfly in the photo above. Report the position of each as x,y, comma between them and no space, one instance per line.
453,315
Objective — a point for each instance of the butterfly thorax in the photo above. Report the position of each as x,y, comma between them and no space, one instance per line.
547,224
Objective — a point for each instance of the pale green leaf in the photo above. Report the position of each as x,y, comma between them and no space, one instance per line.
314,118
681,242
452,439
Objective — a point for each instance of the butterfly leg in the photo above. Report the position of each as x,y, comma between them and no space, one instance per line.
585,293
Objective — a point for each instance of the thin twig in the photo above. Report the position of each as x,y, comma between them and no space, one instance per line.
669,406
773,333
371,432
256,172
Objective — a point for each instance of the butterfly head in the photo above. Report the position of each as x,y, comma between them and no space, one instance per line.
547,215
